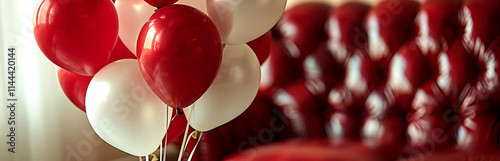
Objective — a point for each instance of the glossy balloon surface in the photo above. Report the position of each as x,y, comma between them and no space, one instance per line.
74,87
232,92
180,50
123,110
160,3
241,21
76,35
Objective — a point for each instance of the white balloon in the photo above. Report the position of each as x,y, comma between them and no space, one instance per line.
132,15
124,111
241,21
233,90
198,4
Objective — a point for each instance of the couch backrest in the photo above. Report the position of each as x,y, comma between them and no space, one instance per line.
399,76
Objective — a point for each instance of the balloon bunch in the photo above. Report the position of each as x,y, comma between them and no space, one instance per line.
129,64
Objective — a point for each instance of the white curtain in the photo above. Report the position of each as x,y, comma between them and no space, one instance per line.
47,126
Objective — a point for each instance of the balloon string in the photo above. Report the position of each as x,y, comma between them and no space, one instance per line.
177,113
181,152
195,146
193,135
184,140
164,154
166,137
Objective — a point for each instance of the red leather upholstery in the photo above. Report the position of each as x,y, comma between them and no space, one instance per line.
311,150
323,150
261,124
398,81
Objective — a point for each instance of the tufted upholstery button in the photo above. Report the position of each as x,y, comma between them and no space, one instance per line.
322,72
437,25
408,70
298,29
342,127
362,74
479,134
481,24
303,109
389,25
429,133
277,71
345,30
387,134
430,100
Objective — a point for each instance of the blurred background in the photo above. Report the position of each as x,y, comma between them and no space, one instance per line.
48,126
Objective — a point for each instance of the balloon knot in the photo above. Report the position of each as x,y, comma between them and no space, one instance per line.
179,112
155,158
194,134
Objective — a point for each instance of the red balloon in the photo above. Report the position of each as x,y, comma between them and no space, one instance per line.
74,87
121,52
160,3
261,46
179,50
77,35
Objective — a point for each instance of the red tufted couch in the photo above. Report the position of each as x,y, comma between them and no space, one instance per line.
396,81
